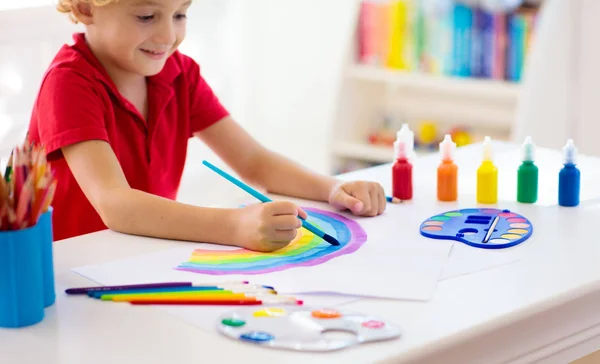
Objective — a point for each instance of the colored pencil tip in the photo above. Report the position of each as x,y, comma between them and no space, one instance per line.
331,240
393,200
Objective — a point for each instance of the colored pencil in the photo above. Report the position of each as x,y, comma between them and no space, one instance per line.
221,293
186,297
184,294
305,224
215,290
199,303
85,290
393,200
236,289
8,170
27,187
215,302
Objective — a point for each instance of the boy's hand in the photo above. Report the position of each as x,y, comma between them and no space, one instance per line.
267,227
361,197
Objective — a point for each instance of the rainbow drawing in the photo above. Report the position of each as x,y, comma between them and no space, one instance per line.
306,250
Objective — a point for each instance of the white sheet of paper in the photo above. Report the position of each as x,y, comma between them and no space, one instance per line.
206,317
465,260
397,274
414,272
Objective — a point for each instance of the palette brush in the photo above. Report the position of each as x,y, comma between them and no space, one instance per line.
305,224
491,230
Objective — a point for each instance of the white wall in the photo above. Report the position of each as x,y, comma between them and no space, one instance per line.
276,64
296,51
562,82
25,51
32,32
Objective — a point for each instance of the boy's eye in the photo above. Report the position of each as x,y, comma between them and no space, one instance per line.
180,16
145,18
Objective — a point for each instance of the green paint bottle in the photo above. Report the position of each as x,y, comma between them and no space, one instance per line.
527,176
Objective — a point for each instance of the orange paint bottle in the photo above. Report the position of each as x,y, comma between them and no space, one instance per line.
447,173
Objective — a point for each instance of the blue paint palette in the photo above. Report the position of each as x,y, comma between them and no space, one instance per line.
480,228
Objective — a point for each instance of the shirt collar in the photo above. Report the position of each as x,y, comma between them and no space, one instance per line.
166,76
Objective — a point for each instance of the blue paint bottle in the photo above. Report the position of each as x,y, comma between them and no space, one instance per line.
569,178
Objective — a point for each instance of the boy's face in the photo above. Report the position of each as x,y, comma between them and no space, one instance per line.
137,36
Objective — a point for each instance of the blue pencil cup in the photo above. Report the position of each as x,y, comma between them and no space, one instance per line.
46,241
21,278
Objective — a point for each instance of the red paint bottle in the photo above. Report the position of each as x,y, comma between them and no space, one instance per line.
402,180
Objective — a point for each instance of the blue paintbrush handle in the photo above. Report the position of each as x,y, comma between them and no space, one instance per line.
305,224
237,182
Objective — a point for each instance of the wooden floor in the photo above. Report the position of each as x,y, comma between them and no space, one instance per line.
590,359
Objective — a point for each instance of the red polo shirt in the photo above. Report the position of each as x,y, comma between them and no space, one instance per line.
78,101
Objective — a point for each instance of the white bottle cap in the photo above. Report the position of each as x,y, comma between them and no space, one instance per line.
487,149
569,152
405,143
528,150
447,148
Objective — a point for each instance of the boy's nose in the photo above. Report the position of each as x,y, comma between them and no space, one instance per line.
166,34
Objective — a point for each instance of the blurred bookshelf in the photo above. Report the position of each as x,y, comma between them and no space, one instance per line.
453,69
467,87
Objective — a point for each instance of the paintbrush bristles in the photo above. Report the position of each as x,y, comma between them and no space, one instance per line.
27,187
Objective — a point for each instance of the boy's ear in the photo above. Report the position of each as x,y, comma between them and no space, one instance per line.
83,12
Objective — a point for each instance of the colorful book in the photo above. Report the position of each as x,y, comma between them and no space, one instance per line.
450,38
463,26
398,35
499,47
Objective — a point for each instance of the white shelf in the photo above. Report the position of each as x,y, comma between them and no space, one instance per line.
493,90
364,152
368,153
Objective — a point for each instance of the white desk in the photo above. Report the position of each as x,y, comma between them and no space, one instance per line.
543,308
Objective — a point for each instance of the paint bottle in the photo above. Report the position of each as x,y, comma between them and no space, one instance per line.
527,175
569,178
402,184
447,173
487,176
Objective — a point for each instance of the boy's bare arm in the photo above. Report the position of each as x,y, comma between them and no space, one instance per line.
123,209
261,167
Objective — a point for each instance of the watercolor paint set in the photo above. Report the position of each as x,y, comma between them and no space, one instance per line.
481,228
305,329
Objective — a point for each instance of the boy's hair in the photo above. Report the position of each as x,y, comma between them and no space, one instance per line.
66,6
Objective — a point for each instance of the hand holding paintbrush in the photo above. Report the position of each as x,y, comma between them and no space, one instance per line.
26,189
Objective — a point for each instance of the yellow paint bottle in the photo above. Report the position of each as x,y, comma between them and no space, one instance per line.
487,176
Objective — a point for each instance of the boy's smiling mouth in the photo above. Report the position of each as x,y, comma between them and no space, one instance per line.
153,54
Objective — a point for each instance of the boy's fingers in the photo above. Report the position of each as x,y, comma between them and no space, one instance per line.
374,203
284,236
382,200
286,222
302,213
284,208
364,196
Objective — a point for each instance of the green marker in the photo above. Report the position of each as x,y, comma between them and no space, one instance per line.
527,177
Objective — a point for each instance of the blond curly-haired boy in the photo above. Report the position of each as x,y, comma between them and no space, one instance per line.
115,111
